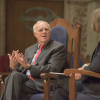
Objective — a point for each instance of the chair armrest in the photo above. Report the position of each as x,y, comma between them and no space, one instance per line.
85,72
46,77
50,75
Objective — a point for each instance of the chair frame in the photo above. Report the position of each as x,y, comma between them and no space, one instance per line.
3,59
73,34
67,72
2,76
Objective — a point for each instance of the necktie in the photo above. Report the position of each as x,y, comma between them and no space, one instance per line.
38,53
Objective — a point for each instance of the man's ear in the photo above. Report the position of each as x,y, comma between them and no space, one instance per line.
34,34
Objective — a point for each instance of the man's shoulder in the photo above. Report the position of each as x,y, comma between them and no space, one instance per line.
56,43
32,46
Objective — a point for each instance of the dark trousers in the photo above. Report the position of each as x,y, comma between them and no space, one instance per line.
61,90
81,96
18,87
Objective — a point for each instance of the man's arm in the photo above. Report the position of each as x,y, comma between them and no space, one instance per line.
52,61
13,59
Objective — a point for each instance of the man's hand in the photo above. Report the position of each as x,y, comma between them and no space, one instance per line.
13,59
16,58
23,61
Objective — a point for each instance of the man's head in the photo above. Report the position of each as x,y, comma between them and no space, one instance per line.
95,20
41,30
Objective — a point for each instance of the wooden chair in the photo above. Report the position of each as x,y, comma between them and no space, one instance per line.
74,39
4,71
67,72
74,36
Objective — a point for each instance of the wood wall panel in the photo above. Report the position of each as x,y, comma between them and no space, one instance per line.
17,35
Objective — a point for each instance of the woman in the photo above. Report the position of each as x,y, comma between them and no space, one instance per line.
90,89
91,85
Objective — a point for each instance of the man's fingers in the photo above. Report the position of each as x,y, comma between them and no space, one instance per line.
13,53
9,56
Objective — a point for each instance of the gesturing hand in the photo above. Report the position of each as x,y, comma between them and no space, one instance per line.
23,61
13,59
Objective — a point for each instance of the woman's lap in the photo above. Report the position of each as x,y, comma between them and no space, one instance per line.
81,96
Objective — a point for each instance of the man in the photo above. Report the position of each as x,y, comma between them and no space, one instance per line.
51,58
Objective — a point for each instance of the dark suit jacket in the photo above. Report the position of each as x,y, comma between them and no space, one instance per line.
52,59
91,84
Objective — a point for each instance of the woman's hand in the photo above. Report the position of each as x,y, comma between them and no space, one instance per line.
78,75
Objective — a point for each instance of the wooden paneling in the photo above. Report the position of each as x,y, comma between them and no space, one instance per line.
17,35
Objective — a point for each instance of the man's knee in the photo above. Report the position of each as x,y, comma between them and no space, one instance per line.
16,75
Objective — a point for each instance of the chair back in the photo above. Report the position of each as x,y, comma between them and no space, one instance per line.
73,50
4,63
4,69
60,34
73,40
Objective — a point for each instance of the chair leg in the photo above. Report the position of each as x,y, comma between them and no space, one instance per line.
1,87
72,87
46,89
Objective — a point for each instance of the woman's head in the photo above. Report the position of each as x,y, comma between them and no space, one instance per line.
95,20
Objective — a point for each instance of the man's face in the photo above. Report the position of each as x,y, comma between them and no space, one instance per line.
42,33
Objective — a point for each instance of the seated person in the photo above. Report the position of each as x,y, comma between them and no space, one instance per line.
45,56
90,86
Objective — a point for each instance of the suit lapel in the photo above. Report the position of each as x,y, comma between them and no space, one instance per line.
32,52
44,51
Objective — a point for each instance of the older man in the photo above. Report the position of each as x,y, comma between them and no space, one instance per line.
45,56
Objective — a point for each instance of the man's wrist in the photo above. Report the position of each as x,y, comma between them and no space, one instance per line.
28,66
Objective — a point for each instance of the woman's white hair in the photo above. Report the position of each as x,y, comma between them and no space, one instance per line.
95,20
